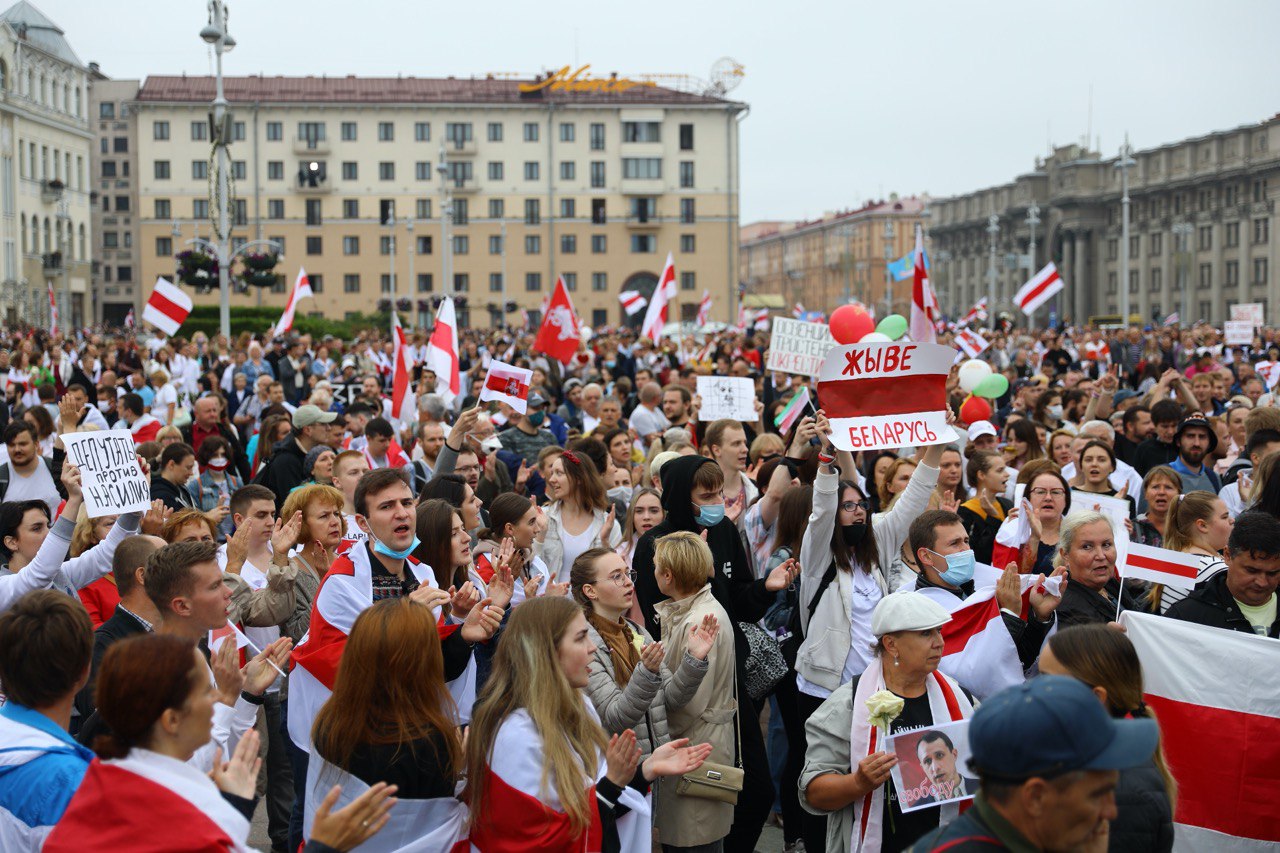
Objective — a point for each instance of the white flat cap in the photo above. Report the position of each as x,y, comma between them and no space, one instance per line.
907,611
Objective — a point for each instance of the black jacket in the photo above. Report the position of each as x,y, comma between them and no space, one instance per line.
1145,820
1152,452
1211,604
283,471
121,625
174,497
1083,606
239,458
982,530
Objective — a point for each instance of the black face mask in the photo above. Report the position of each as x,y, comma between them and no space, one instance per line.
853,533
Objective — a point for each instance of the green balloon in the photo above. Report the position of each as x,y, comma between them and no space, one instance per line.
992,387
893,327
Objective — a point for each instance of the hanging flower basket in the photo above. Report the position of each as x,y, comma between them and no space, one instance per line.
384,305
424,304
261,261
197,269
404,303
260,278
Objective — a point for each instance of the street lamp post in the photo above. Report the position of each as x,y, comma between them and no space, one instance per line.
1033,219
1124,164
215,34
888,274
446,219
391,252
993,229
502,314
410,251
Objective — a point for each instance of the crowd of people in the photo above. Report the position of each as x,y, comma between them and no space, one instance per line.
604,623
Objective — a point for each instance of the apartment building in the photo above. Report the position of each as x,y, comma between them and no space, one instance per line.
115,277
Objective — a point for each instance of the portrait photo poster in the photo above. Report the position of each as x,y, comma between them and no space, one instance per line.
932,766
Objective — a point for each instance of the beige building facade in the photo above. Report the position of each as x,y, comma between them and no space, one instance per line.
1201,235
831,261
116,278
359,180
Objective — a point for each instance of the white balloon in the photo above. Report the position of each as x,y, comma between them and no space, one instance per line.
875,338
972,372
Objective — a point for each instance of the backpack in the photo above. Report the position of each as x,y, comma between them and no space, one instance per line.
5,476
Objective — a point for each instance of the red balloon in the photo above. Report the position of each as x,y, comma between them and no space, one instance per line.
975,409
849,323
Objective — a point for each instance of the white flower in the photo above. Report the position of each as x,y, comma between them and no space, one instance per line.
883,708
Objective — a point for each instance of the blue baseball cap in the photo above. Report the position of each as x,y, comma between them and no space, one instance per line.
1053,725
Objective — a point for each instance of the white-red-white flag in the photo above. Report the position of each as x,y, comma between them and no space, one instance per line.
167,308
1269,371
970,342
1219,712
218,635
560,334
128,319
923,305
442,351
508,384
1039,290
704,308
402,371
798,311
975,314
1160,565
659,306
301,290
53,310
632,301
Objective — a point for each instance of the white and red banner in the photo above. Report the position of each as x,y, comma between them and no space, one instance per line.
301,290
53,310
970,342
975,314
923,305
403,369
632,301
1160,565
704,308
1219,714
128,319
508,384
559,336
1039,290
1269,371
442,351
886,395
218,635
167,308
753,318
660,305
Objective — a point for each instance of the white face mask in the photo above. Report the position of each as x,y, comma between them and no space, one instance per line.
620,493
1055,412
104,406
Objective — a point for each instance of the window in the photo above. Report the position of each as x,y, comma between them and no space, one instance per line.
495,244
567,131
162,170
461,244
495,282
568,244
316,280
350,170
275,170
425,282
351,208
641,168
200,131
386,211
164,246
687,212
348,131
239,170
1206,237
351,283
110,239
531,170
275,208
641,131
275,131
1231,237
532,211
237,131
567,208
162,208
533,244
384,283
570,280
106,110
386,171
530,131
688,244
124,273
597,174
1261,229
1157,243
422,171
1231,195
495,171
1259,270
1157,279
643,243
458,132
239,212
386,131
568,170
311,133
599,281
313,211
199,208
1133,281
686,137
688,281
1231,273
497,208
599,244
597,137
424,245
160,130
459,173
315,245
350,245
686,173
495,131
422,131
108,168
423,207
533,281
199,170
597,211
122,204
1260,187
1206,276
384,244
461,284
460,214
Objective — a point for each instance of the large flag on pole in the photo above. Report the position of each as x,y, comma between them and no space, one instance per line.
1219,712
656,317
923,305
167,308
559,335
301,290
442,351
704,308
401,372
1039,290
53,310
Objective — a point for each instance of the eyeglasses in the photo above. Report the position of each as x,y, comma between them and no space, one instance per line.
1040,493
850,506
467,469
619,577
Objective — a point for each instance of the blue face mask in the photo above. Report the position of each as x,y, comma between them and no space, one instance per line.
709,515
386,551
959,567
536,418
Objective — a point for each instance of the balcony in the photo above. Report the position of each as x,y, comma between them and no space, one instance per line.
459,147
463,186
313,181
643,222
308,147
641,186
52,263
51,191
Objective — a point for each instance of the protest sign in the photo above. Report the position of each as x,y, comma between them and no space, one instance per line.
884,395
110,475
732,397
931,767
1115,509
798,347
1238,332
508,384
1251,312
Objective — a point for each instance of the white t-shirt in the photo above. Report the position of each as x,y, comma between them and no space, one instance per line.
37,486
165,395
573,546
866,595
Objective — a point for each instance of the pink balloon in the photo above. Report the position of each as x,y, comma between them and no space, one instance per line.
849,323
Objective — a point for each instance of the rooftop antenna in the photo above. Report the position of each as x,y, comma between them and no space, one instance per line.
1088,133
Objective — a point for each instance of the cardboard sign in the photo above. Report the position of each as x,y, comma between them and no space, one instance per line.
1239,332
732,397
110,475
798,347
886,395
932,766
1115,509
1250,312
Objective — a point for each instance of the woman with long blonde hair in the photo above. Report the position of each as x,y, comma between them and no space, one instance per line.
541,773
1198,523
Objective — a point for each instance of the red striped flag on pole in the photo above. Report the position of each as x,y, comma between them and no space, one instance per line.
401,372
442,351
301,290
659,306
1160,565
977,313
128,319
53,310
704,308
1039,290
167,308
508,384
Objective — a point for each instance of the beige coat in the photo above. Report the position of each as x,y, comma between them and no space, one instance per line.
708,717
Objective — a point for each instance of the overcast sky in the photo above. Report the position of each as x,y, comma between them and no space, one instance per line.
849,100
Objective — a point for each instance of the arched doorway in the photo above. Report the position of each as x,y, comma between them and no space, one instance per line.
643,283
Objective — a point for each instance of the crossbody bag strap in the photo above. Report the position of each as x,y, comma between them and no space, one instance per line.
737,720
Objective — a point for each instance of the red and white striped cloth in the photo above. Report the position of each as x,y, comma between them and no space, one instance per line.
970,342
660,305
402,400
301,290
508,384
704,308
1269,371
1039,290
1160,565
167,307
632,301
975,314
53,309
1218,705
442,351
924,307
128,319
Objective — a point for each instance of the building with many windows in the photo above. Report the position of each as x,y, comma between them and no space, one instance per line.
45,142
362,181
115,280
1200,237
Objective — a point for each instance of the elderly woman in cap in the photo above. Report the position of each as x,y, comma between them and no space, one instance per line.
846,767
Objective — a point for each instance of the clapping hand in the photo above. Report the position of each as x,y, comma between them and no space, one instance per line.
621,758
1009,589
238,776
675,758
702,637
651,657
502,585
225,663
482,622
783,576
357,822
285,535
1042,602
606,529
462,600
265,666
430,597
